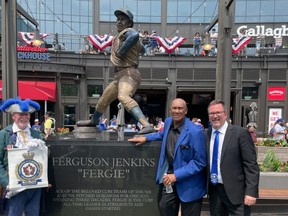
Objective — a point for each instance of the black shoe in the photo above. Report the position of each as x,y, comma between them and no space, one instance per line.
146,130
85,123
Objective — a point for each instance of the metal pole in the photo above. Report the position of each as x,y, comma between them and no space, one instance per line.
9,54
226,14
120,122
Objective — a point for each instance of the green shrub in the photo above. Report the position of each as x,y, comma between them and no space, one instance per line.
272,164
272,143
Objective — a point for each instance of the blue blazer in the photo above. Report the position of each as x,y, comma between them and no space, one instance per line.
189,160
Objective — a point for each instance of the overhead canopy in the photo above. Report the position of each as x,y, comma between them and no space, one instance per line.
35,90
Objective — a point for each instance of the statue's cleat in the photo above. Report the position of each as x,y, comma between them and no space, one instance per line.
146,130
85,123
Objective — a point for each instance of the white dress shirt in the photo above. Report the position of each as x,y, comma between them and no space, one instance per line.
20,142
222,132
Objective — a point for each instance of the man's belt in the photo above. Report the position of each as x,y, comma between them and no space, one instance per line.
117,69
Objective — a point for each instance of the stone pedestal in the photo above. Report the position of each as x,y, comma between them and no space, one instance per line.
92,133
91,177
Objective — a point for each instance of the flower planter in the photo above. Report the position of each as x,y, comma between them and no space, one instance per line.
273,180
281,153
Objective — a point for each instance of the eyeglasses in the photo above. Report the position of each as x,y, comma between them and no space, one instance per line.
216,113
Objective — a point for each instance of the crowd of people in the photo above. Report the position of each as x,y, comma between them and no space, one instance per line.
223,152
152,46
183,170
47,127
132,126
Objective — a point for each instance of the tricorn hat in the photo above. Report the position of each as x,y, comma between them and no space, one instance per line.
16,105
126,13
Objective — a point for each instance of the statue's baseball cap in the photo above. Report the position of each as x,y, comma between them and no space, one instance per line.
124,12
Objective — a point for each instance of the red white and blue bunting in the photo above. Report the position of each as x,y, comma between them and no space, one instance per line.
27,37
100,41
170,44
239,43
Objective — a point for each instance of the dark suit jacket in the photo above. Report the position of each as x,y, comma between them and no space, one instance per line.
238,164
189,160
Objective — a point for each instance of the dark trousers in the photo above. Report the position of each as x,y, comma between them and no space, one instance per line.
27,201
169,204
220,205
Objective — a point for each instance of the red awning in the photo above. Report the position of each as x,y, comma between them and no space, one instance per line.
35,90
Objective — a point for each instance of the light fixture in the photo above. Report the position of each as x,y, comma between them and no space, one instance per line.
168,81
37,41
77,79
207,47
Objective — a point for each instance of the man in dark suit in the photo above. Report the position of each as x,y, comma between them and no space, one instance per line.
181,164
233,170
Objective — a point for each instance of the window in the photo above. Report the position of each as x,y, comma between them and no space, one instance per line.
91,111
185,11
70,19
69,116
151,13
69,90
94,90
249,93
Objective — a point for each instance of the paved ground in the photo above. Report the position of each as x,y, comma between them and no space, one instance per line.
253,214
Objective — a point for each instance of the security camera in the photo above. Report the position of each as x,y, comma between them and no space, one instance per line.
168,81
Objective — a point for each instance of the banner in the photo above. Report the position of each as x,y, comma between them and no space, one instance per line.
27,37
100,42
239,43
170,44
274,115
27,169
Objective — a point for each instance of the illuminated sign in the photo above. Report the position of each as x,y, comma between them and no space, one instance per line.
34,53
31,49
262,30
276,93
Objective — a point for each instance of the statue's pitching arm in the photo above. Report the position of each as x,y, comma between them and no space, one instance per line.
131,37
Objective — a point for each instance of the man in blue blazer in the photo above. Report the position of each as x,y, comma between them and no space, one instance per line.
182,163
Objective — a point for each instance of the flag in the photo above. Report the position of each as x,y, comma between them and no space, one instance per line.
101,41
28,36
239,43
170,44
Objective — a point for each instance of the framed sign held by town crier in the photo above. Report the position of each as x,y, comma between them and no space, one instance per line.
27,169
